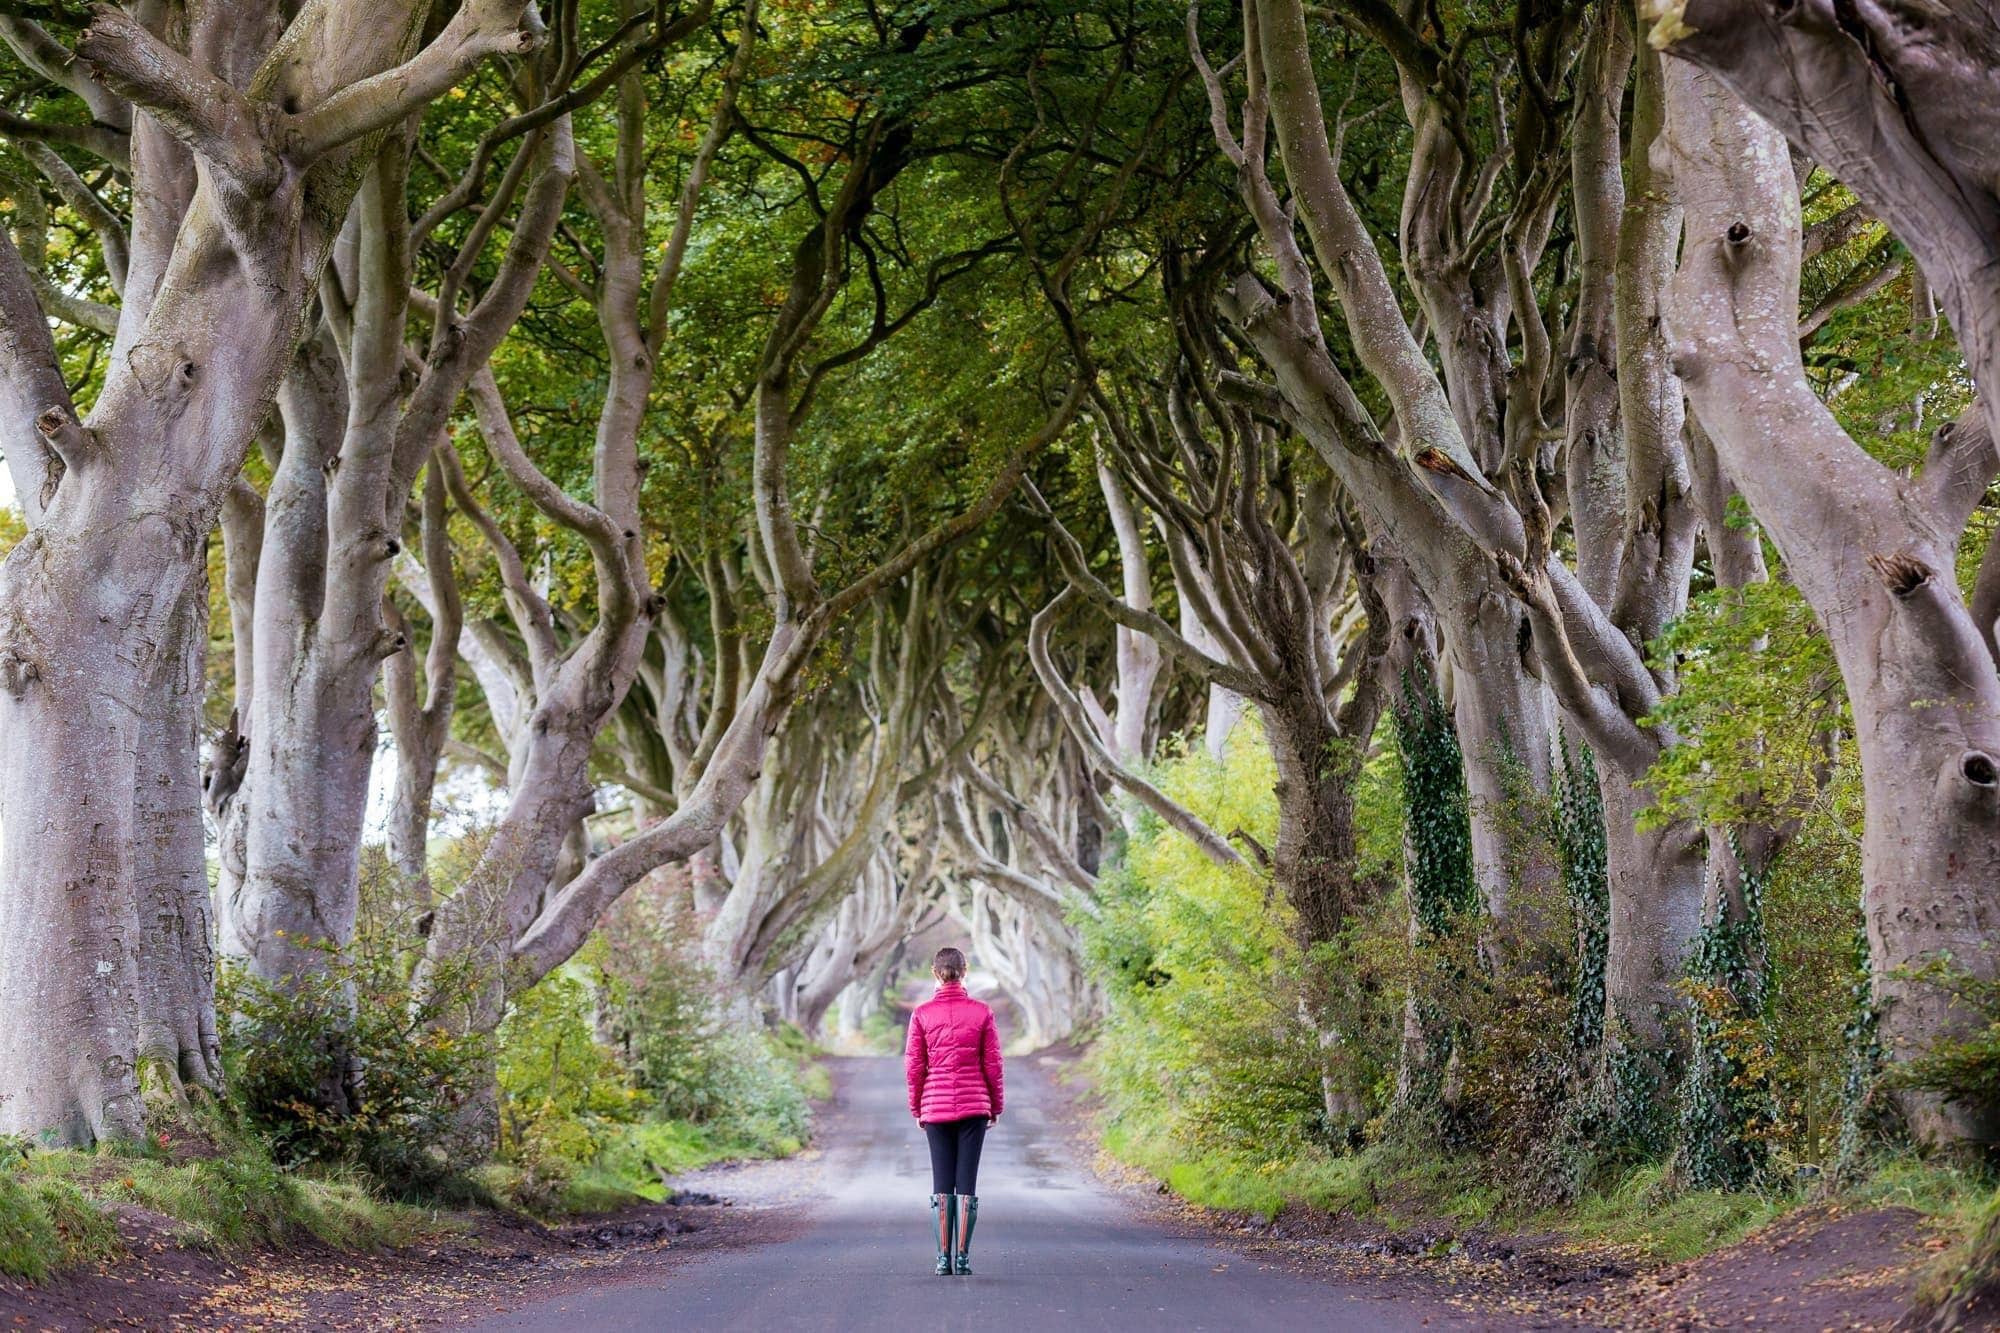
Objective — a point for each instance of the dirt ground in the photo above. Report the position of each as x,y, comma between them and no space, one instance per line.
1812,1270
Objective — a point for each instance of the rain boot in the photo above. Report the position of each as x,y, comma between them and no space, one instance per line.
970,1207
944,1220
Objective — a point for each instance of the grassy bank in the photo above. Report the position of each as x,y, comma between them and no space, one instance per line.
59,1210
1643,1214
1640,1213
609,1084
221,1191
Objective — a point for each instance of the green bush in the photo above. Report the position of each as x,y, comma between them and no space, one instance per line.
625,1067
564,1095
349,1065
1201,1045
1963,1068
697,1060
1209,1079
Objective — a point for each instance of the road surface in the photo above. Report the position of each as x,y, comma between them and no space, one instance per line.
1054,1248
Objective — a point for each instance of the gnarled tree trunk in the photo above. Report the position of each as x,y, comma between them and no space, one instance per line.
1872,551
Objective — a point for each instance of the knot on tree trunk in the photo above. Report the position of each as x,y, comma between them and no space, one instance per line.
18,671
1900,571
64,433
1433,459
228,761
166,373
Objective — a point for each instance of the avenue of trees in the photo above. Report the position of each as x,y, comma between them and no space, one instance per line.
1472,510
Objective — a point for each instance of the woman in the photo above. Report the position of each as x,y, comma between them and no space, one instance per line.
952,1063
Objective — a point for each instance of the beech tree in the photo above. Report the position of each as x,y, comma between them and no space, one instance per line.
356,436
1550,406
855,453
799,358
1438,430
1872,550
249,136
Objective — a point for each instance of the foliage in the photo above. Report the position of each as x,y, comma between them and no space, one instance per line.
1208,1082
625,1068
1514,1100
1964,1065
1580,845
1759,694
1726,1110
1442,880
1439,875
1812,923
564,1096
691,1050
351,1065
1202,1045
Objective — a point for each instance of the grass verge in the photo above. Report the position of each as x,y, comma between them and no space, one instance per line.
1642,1213
57,1209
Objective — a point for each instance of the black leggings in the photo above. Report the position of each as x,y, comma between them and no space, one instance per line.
955,1154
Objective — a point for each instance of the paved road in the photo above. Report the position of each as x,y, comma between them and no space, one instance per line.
1054,1249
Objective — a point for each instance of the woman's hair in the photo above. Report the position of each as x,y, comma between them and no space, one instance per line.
949,964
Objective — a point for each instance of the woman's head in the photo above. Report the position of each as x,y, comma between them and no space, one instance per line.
948,964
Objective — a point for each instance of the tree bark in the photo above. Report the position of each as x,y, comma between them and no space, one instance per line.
1872,552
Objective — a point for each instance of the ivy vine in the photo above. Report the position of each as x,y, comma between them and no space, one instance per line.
1727,1106
1580,846
1438,859
1443,885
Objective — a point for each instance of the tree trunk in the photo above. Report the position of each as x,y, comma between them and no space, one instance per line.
1314,865
1657,878
178,1042
311,725
98,872
1874,554
1501,713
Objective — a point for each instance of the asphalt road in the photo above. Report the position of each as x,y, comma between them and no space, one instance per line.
1054,1249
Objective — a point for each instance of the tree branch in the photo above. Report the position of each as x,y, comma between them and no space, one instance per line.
479,28
1211,844
216,122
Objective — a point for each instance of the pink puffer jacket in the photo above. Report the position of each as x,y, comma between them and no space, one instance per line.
952,1061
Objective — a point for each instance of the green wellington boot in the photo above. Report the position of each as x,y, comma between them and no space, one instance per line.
968,1214
944,1217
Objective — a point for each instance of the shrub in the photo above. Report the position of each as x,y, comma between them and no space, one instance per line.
696,1058
564,1095
1962,1068
1202,1046
626,1066
349,1066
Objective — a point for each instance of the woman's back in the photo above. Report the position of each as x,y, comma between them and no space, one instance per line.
953,1061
